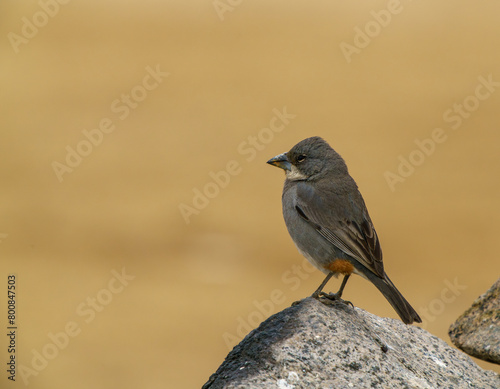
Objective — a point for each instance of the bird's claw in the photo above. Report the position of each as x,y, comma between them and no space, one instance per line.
331,298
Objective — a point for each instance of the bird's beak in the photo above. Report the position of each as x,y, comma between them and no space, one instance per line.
281,161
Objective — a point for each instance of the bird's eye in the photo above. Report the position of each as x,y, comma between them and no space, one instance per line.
301,158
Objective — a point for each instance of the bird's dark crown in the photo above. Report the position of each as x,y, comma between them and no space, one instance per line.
313,157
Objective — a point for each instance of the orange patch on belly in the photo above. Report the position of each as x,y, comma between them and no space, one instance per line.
342,266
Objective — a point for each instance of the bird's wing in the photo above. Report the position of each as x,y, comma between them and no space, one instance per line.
344,222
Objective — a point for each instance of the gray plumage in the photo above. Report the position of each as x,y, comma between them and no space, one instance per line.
327,218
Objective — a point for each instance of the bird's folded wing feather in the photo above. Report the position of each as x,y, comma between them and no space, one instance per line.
349,228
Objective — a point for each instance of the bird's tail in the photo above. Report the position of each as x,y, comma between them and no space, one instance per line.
403,308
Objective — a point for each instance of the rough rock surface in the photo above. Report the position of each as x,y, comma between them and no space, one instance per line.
477,331
311,345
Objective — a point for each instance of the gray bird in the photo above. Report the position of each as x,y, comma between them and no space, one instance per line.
327,219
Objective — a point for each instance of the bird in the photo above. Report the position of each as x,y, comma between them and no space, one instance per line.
329,223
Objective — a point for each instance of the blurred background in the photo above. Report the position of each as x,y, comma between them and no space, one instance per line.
138,213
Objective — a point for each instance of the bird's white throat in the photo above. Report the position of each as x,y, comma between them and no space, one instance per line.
295,174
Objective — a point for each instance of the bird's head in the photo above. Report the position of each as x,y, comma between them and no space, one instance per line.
309,159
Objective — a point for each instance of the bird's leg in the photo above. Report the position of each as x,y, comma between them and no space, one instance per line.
320,288
318,291
337,296
342,286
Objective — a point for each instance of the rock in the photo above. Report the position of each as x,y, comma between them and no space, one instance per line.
477,331
312,345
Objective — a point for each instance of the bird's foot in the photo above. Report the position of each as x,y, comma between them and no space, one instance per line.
331,298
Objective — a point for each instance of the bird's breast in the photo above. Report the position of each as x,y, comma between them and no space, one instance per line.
308,241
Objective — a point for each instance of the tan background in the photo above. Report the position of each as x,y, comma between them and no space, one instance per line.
120,207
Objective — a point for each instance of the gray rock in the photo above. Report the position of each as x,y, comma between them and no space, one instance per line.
312,345
477,331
